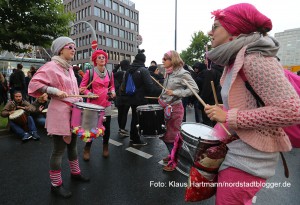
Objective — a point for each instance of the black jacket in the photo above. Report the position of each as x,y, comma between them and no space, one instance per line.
143,84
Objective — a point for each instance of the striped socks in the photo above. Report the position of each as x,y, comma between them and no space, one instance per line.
74,166
55,177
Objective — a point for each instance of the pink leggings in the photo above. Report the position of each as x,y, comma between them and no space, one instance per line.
234,194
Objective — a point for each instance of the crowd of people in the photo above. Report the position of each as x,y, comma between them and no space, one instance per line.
242,50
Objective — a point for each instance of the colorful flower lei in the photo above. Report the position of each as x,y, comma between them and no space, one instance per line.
88,135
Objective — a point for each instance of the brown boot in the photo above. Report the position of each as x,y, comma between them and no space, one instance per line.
105,150
86,153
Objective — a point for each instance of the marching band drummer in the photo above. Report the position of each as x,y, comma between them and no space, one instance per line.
170,100
102,84
57,79
16,104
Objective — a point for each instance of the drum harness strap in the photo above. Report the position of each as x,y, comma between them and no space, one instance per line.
92,75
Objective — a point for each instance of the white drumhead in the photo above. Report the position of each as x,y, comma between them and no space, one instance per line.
89,106
198,130
16,114
45,110
149,107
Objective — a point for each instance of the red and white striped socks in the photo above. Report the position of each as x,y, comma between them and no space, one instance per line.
74,166
55,177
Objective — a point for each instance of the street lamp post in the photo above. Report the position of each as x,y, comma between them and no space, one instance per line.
91,27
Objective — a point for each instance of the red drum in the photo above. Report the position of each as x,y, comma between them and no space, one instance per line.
151,121
20,118
196,139
87,115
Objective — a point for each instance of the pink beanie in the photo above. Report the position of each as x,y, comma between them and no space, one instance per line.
96,54
242,18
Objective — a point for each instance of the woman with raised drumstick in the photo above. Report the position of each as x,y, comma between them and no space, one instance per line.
57,79
241,44
170,100
100,81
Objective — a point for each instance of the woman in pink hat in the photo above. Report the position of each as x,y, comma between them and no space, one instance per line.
241,44
102,85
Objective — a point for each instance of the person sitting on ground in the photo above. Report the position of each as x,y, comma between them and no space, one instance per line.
24,130
41,105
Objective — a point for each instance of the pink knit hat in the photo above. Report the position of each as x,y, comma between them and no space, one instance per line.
242,18
96,54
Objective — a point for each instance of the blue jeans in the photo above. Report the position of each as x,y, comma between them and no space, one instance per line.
18,130
40,120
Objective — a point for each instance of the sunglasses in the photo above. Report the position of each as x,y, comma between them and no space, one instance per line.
101,57
165,59
71,47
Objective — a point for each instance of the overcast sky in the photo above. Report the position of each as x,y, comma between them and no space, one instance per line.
157,21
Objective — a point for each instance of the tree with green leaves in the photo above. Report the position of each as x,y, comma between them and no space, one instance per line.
196,50
34,22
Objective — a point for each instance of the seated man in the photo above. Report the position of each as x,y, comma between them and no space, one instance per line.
41,105
23,129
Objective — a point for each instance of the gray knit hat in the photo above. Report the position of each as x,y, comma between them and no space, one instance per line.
59,43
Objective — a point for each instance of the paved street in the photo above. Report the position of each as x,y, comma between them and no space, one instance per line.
129,176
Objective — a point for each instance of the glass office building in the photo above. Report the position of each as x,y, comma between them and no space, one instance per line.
289,52
116,25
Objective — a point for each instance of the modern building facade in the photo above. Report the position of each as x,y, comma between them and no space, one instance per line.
116,25
289,52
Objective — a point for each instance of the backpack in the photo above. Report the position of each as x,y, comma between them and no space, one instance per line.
130,86
293,131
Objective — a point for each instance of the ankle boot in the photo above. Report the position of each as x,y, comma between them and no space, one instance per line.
61,191
86,153
105,150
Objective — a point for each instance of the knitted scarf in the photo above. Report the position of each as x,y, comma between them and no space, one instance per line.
63,63
225,54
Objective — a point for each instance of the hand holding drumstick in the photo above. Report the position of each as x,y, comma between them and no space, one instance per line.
213,111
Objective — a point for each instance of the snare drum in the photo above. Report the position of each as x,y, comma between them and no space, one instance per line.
151,121
20,118
196,139
87,115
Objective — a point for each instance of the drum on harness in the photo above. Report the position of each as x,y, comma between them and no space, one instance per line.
151,121
196,139
87,120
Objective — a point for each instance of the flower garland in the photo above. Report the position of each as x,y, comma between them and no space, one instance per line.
86,135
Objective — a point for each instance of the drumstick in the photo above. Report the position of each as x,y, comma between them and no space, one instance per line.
158,83
214,92
151,97
83,96
202,102
216,99
91,82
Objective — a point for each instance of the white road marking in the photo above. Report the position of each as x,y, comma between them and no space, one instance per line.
111,141
161,162
138,152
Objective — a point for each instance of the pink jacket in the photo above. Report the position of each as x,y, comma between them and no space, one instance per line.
261,127
99,87
59,110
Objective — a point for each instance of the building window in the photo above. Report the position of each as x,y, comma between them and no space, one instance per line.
132,27
97,11
100,1
122,33
108,3
108,29
115,6
126,12
101,27
116,44
121,9
108,42
115,31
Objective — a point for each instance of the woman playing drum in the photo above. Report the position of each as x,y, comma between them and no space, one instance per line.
102,84
241,44
170,99
57,79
